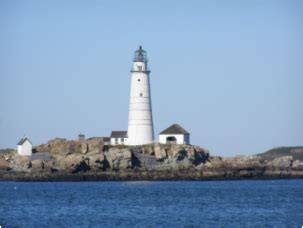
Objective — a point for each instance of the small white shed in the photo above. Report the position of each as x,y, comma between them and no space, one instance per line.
175,134
25,147
118,138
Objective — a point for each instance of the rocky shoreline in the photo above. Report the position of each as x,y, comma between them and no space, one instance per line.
92,160
133,176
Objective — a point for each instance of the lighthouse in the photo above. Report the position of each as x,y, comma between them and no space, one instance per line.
140,119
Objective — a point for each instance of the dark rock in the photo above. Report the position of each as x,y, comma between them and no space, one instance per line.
83,166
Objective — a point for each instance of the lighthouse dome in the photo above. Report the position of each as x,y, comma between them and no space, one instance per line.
140,55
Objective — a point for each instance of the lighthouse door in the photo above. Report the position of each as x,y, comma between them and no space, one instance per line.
171,140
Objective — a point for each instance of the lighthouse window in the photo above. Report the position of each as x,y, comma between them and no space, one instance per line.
140,68
141,94
139,80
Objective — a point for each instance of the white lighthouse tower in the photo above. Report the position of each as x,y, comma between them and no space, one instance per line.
140,119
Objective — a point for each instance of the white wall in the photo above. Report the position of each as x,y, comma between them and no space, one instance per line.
181,139
140,120
25,149
113,141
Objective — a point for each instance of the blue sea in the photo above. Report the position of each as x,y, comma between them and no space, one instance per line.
267,203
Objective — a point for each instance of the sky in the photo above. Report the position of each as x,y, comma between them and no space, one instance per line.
229,72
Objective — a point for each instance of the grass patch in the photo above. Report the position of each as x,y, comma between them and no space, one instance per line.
296,152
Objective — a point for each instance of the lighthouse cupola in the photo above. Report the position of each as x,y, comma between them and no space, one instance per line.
140,60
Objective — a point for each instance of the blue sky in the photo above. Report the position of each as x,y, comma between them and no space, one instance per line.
229,72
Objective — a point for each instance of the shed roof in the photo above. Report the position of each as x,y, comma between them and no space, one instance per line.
175,129
119,134
23,140
106,139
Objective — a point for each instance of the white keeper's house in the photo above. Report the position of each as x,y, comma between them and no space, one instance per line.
118,138
175,134
25,147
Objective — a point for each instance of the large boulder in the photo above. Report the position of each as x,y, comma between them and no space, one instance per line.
97,161
4,165
282,162
297,164
36,165
20,163
119,158
59,146
95,145
71,160
177,153
5,158
180,163
160,152
65,147
84,147
58,162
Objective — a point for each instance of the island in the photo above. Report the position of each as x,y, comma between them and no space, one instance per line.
93,160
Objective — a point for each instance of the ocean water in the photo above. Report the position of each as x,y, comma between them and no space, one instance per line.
267,203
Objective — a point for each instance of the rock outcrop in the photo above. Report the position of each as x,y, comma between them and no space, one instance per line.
282,162
119,159
91,159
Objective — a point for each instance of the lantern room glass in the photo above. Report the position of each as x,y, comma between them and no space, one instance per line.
140,55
